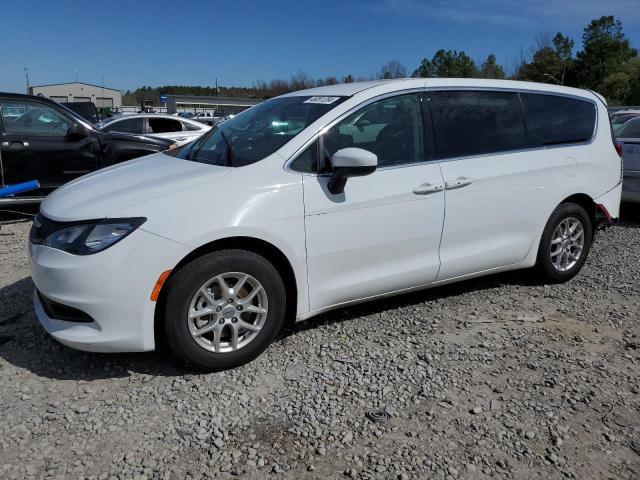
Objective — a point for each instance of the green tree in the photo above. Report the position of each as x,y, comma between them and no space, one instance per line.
550,62
491,69
632,69
616,87
563,48
449,63
605,50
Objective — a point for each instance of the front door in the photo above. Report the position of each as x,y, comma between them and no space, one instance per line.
383,233
35,146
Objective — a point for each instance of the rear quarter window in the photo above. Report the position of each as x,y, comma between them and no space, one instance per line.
469,123
553,119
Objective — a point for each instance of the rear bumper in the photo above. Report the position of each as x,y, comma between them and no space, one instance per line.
610,202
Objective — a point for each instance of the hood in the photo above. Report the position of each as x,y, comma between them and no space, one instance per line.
104,192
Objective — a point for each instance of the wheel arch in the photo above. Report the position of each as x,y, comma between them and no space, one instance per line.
586,202
269,251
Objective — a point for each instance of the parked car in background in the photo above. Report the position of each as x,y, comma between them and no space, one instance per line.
618,121
205,117
185,114
45,141
180,130
626,111
629,129
629,140
86,110
286,209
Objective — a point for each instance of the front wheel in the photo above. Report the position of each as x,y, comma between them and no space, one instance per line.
223,309
565,243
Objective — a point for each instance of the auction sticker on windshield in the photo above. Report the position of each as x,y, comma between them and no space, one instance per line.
322,100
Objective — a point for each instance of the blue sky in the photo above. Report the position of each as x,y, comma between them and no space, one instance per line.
140,42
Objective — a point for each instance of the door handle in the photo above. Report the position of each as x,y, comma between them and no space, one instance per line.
427,188
458,183
15,144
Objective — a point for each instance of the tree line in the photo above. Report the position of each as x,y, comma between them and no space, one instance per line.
606,63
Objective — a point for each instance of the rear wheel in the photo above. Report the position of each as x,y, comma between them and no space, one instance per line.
223,309
565,243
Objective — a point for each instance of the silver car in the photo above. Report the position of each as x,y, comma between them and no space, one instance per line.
180,130
629,140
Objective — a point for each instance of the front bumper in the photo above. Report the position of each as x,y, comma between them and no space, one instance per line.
112,287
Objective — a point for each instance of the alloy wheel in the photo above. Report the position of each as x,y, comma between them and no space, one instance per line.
567,244
227,312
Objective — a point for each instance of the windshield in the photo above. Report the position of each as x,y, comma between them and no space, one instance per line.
257,132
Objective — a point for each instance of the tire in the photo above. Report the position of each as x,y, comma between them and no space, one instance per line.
552,269
232,339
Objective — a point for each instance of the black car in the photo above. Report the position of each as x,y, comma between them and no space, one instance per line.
42,140
86,110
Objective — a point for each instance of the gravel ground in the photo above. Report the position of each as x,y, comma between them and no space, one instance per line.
491,378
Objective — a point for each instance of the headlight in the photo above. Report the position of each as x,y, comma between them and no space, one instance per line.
173,145
93,237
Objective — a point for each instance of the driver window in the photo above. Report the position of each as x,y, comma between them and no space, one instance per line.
33,118
391,128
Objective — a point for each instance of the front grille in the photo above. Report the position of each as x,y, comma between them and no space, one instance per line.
43,227
58,311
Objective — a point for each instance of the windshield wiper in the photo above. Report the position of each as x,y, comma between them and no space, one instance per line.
229,148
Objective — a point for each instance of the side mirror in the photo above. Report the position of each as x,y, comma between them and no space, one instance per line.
350,162
77,131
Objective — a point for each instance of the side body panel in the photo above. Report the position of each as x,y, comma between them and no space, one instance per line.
493,221
376,237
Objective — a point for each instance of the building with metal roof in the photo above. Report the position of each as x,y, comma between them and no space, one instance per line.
102,97
221,105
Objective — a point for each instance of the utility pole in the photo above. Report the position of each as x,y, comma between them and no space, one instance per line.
76,74
26,75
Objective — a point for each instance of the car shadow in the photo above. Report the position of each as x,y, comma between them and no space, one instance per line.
630,215
357,311
24,343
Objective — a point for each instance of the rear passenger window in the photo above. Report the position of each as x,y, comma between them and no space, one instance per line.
131,125
471,123
164,125
553,119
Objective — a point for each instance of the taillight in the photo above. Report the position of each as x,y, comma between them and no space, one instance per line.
618,146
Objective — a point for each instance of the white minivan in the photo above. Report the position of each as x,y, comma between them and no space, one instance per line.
318,199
